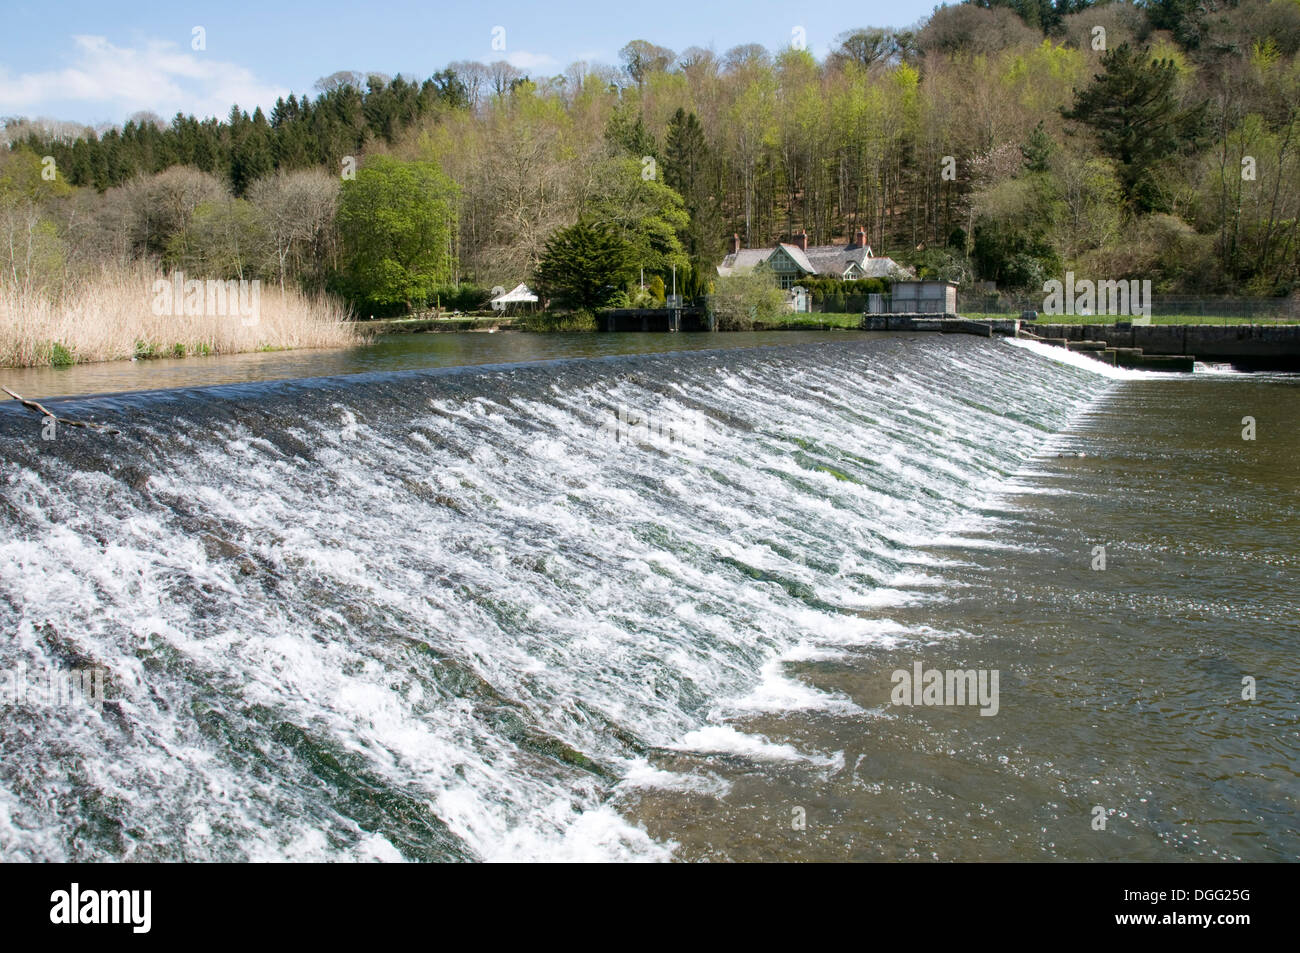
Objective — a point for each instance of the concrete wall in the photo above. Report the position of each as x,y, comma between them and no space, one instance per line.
1247,343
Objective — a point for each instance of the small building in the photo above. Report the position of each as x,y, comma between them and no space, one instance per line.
518,298
923,297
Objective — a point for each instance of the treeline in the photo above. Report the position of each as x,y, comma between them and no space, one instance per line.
351,113
995,141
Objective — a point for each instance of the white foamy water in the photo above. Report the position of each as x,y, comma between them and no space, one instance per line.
445,615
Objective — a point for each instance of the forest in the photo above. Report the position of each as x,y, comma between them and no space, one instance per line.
999,141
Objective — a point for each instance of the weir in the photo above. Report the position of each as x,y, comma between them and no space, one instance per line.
406,615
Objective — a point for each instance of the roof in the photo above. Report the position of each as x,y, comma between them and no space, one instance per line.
744,260
519,293
817,260
800,258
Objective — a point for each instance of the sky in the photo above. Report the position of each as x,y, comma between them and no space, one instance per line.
99,62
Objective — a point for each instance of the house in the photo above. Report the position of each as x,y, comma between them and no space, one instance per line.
517,297
792,261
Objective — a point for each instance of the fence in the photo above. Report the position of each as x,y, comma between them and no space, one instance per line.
1210,308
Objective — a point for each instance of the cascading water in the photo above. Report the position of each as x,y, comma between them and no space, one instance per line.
453,614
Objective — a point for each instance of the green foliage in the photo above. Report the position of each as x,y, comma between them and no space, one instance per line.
740,300
396,222
627,134
464,297
1037,150
821,286
544,321
644,212
658,294
584,266
688,168
298,133
1134,108
61,356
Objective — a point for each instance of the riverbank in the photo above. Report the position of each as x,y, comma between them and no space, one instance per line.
124,315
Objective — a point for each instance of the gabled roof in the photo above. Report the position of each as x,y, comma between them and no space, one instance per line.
800,257
744,260
817,260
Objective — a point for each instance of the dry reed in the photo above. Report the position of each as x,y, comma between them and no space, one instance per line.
108,316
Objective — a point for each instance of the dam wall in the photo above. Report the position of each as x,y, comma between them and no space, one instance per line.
1260,344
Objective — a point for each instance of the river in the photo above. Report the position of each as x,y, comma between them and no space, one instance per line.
648,606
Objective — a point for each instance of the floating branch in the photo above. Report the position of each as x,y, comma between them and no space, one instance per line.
33,405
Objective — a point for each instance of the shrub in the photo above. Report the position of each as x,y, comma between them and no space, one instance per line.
740,300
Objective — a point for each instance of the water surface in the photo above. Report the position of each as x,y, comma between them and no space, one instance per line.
482,613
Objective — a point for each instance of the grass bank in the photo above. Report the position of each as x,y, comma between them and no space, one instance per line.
1111,319
109,316
811,322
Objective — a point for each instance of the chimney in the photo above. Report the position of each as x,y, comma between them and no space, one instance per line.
735,244
860,237
802,239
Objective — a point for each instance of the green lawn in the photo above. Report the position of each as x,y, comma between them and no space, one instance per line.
1111,319
830,319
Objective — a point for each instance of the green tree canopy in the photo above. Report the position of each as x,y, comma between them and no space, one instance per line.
1134,109
644,212
396,221
584,265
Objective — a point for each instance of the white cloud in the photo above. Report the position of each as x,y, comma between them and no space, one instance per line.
157,76
522,59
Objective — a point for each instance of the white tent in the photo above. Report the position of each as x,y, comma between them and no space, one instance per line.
516,296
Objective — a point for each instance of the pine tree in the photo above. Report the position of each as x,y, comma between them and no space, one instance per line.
686,169
1133,107
584,266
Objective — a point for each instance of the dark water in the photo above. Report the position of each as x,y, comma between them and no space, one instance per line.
1120,688
648,607
395,352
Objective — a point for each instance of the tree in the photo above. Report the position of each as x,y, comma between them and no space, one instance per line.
687,167
584,266
740,300
1133,107
396,225
865,47
223,240
644,212
297,212
641,58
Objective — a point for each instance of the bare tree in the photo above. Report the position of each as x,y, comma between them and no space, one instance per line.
746,56
642,58
502,77
344,77
297,211
476,78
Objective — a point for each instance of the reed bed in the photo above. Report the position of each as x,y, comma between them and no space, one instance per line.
109,316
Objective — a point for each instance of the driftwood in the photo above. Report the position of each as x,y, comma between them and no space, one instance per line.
33,405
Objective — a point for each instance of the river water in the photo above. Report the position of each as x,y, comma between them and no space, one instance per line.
655,607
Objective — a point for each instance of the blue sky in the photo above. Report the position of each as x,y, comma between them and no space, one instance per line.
100,62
